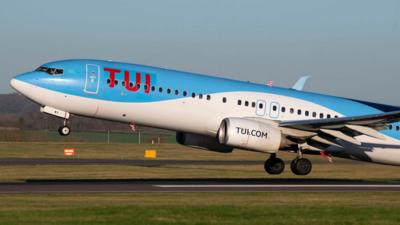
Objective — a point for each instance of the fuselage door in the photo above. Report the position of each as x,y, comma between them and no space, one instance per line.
274,110
260,108
92,79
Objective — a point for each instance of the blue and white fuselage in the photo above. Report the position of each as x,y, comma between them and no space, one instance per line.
197,104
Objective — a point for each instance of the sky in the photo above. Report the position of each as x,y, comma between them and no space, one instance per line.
350,48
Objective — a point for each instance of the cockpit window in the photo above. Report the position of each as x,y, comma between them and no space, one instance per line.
51,71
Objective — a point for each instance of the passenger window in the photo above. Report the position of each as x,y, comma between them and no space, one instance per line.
260,105
246,103
328,116
390,127
307,113
201,96
193,95
184,93
138,86
299,112
116,82
160,89
153,88
208,97
291,110
336,116
176,92
274,108
239,102
253,104
108,81
283,109
314,114
168,91
224,99
321,115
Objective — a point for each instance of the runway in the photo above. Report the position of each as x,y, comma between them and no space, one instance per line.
127,162
197,185
180,185
134,162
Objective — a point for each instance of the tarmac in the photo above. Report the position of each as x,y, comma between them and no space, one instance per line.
301,184
197,185
128,162
132,162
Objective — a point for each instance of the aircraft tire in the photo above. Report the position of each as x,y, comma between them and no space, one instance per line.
301,166
64,130
274,166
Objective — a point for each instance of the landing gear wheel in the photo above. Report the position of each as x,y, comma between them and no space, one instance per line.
274,166
301,166
64,130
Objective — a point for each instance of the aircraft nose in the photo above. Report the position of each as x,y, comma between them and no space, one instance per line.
15,84
21,82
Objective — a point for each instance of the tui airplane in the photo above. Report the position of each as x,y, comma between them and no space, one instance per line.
218,114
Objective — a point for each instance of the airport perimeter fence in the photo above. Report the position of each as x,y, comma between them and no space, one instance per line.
139,137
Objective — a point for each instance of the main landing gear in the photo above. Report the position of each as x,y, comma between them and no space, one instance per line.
299,166
274,165
64,130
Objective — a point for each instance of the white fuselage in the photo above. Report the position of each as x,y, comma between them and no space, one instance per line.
202,116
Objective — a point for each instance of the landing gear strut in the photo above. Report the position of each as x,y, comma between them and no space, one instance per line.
64,130
274,165
300,165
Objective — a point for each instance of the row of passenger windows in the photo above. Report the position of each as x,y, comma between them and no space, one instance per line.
239,102
391,127
160,90
291,110
184,93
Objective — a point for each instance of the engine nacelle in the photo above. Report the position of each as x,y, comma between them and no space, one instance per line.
250,134
202,142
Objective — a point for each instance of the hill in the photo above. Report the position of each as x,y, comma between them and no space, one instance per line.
16,111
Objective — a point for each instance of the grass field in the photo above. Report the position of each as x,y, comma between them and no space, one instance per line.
341,168
202,208
187,208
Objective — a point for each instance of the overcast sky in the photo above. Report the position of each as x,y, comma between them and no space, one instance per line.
351,48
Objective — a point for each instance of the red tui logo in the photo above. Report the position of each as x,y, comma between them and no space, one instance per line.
130,86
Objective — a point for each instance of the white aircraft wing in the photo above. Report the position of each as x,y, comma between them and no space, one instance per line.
320,133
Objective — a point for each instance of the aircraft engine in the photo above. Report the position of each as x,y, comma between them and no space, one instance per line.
250,134
202,142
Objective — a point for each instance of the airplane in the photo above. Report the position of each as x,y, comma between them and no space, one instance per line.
218,114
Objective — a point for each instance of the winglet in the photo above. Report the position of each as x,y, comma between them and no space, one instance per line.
299,85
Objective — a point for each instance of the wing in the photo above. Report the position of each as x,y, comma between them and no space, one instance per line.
320,133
